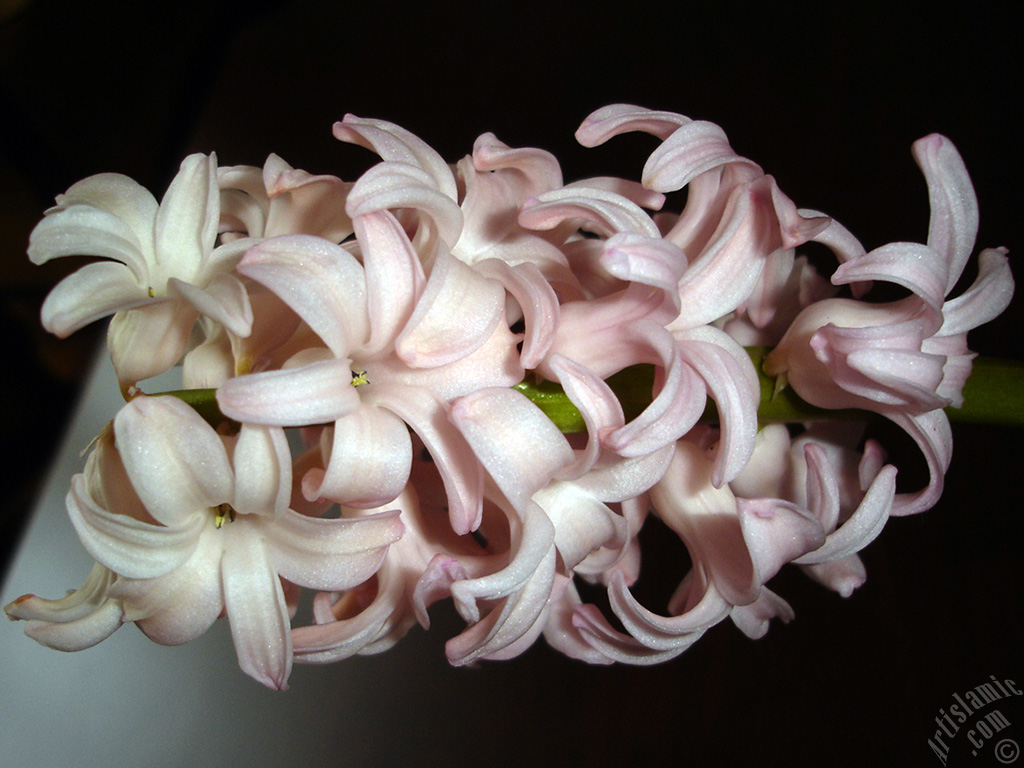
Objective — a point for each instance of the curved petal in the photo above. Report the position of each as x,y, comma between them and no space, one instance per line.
82,230
916,267
535,296
322,282
520,447
224,299
177,463
369,460
667,632
79,634
954,206
396,185
843,576
732,382
461,472
597,403
932,433
394,277
327,554
582,523
985,300
83,602
675,408
752,619
510,628
256,609
775,533
186,223
94,291
691,150
457,313
532,551
316,393
600,635
863,526
614,119
127,546
393,142
606,212
304,204
149,340
262,465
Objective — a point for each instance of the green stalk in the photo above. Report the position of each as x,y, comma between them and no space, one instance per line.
994,394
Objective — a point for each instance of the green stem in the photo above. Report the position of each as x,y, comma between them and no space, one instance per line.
994,394
204,401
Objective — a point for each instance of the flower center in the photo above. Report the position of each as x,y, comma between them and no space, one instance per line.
221,513
359,378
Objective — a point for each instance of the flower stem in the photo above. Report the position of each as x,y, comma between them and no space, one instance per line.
994,394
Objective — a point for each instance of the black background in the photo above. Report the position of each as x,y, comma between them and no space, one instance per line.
826,97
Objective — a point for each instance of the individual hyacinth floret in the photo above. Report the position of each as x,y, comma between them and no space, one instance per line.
379,365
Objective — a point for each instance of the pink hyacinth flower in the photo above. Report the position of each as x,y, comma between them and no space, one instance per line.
906,359
161,268
191,526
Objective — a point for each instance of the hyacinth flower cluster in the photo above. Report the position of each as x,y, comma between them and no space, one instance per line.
407,388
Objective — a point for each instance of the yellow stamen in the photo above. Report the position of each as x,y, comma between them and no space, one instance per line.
223,511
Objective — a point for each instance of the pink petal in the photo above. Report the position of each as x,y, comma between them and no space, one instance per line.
457,313
369,460
520,447
329,554
614,119
776,532
149,340
322,282
177,463
843,576
932,433
675,408
985,300
186,223
604,212
916,267
224,300
461,472
668,632
262,465
753,619
256,609
954,207
691,150
94,291
127,546
394,277
317,393
393,142
732,381
535,297
611,643
395,185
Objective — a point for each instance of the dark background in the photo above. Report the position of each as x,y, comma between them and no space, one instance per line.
827,97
